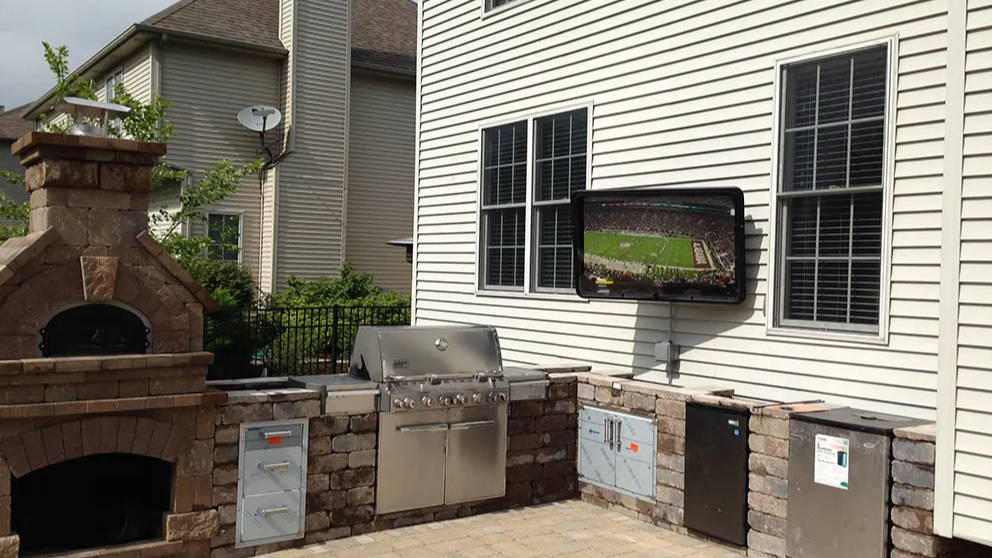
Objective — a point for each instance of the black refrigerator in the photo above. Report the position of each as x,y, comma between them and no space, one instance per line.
716,453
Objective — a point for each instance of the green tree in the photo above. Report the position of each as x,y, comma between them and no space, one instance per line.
13,215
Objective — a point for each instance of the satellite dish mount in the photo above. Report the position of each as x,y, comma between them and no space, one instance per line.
261,119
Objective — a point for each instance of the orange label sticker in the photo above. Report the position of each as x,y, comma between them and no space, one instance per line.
275,440
634,448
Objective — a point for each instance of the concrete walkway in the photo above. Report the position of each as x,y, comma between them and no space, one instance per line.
571,528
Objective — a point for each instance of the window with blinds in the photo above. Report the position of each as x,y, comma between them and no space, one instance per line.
504,205
517,213
830,192
559,170
491,4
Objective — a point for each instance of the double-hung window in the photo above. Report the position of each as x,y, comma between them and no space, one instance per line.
830,192
113,80
224,232
530,215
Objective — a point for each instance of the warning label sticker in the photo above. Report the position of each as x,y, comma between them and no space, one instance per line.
832,461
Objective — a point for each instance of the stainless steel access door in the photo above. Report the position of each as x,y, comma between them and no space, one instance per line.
475,466
410,461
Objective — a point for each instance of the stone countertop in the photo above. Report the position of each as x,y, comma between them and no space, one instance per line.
270,395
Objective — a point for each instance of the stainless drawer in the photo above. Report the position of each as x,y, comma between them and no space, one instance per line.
271,516
273,470
273,436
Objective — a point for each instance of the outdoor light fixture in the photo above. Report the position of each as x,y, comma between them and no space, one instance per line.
90,118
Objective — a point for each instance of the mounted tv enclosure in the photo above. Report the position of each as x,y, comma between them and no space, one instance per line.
680,245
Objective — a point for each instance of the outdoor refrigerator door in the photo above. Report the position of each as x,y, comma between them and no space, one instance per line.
476,459
410,461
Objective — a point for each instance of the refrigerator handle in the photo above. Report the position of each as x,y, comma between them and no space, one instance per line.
617,425
610,429
606,430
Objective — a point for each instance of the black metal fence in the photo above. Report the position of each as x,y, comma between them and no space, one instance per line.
256,342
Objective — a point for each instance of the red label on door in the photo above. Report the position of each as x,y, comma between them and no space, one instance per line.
275,440
634,448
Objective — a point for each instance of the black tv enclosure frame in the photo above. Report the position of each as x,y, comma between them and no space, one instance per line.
693,293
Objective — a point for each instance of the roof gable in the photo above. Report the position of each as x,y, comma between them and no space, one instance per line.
246,21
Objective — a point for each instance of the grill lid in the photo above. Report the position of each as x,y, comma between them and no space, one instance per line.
401,352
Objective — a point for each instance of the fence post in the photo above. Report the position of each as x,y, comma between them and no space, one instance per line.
334,340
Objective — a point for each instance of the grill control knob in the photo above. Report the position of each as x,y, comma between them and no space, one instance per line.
501,397
446,400
397,403
478,398
460,399
409,403
427,401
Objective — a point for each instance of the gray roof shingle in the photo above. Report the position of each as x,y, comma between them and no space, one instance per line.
12,126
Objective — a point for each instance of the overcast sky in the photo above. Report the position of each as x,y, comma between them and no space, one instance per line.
85,26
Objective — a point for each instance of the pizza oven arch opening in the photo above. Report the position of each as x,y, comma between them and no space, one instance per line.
95,329
92,501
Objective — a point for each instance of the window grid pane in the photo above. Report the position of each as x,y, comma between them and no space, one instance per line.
560,170
505,233
833,139
225,233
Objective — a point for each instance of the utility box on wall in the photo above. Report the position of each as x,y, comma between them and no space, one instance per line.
272,477
617,451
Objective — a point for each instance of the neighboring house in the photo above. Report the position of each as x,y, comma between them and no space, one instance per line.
703,93
342,73
12,127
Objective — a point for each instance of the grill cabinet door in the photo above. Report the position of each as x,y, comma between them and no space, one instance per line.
634,444
476,457
597,458
410,461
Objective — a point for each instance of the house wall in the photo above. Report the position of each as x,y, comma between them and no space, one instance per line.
380,176
972,420
137,76
207,88
310,211
682,93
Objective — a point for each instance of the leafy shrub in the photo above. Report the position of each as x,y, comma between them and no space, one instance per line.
307,338
231,285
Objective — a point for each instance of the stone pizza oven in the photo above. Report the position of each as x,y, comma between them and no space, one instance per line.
106,425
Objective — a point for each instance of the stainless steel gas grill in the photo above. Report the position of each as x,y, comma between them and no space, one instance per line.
442,424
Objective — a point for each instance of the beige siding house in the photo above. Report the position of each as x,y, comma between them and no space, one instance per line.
702,93
337,70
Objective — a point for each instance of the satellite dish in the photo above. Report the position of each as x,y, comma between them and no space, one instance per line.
259,118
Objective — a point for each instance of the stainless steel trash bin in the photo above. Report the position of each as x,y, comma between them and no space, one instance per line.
839,483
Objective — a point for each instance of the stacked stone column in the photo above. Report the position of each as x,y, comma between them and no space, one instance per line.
768,482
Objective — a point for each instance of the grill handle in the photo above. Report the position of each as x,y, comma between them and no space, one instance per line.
618,425
439,427
471,424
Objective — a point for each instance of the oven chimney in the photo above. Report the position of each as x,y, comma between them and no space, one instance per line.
93,191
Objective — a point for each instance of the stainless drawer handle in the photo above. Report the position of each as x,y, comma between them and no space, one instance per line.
279,434
273,511
471,424
274,466
423,428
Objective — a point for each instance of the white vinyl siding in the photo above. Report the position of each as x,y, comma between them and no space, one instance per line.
972,504
203,113
684,95
380,177
135,73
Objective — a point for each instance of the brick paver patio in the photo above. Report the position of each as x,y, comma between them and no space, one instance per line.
571,528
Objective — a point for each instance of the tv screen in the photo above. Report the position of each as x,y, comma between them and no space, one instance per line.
684,245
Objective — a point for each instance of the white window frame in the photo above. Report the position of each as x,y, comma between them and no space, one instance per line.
241,230
774,293
108,89
488,10
529,289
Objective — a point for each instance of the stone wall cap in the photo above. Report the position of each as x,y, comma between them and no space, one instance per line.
920,433
273,395
107,362
36,139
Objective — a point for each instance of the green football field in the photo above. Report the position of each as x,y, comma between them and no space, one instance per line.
653,250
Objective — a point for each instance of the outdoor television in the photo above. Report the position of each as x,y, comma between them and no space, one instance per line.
680,245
